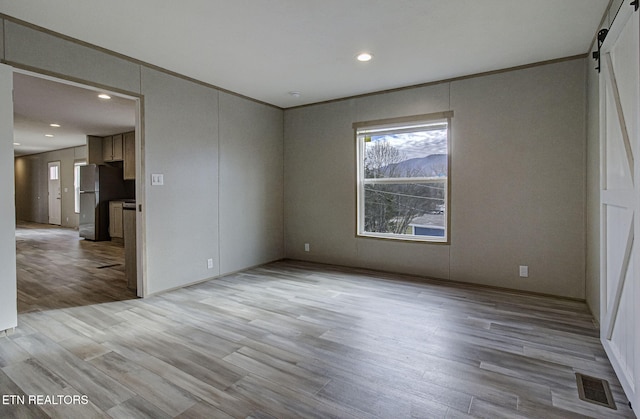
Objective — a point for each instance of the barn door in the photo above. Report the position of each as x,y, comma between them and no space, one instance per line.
619,198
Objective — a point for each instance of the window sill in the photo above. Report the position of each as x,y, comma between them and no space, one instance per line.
404,238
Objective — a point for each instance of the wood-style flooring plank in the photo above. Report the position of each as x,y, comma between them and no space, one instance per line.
57,269
9,388
102,390
289,340
176,376
204,410
137,408
162,394
34,379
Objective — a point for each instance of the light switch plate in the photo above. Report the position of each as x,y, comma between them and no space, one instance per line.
157,179
524,271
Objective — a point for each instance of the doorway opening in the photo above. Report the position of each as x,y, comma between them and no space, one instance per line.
63,129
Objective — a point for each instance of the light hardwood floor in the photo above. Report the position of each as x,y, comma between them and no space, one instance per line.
299,340
57,269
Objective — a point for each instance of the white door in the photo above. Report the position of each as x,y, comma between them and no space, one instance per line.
619,198
55,198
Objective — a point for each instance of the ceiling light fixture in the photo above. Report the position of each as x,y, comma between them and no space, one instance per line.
295,94
104,96
16,143
55,125
49,135
364,57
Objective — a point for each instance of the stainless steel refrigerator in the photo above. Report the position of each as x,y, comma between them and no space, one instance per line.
99,184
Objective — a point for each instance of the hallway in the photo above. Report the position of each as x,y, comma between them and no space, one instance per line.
56,269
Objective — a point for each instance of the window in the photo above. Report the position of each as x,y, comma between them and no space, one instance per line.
76,183
54,172
403,178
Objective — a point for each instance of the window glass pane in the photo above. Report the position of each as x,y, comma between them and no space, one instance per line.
408,208
54,173
403,181
419,153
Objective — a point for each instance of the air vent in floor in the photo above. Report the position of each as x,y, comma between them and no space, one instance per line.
595,390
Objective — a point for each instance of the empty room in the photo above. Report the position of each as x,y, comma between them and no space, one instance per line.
348,209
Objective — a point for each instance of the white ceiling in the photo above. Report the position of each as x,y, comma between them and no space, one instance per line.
266,49
39,102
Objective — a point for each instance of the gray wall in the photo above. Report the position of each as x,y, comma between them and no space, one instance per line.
32,185
8,295
251,191
592,282
38,50
182,216
186,134
518,181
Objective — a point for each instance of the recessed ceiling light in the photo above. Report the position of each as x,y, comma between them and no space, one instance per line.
49,135
55,125
364,57
104,96
295,94
16,143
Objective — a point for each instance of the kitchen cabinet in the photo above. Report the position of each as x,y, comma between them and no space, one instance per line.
116,229
129,147
95,152
107,148
117,147
112,148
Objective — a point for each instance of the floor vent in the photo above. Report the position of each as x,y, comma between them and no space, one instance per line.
595,390
108,266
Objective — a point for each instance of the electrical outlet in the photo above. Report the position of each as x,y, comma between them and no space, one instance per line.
209,263
307,248
524,271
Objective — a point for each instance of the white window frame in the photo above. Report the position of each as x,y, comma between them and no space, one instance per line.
398,125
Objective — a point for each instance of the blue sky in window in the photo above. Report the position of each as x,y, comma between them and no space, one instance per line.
417,144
